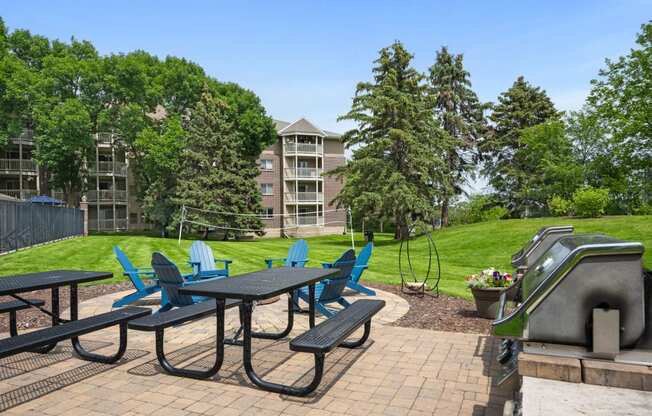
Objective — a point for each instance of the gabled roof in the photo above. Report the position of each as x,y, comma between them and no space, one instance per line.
302,126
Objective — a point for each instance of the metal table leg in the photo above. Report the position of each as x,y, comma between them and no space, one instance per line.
266,385
267,335
219,350
54,313
76,345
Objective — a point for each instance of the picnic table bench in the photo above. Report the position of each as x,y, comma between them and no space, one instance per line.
13,306
44,340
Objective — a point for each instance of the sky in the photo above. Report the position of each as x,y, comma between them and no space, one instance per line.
304,58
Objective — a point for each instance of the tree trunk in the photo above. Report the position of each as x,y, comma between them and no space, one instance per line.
204,234
444,212
402,230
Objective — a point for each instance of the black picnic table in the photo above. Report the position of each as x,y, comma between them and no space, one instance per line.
253,287
53,280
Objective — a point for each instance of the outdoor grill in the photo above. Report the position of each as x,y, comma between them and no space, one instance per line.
584,297
539,244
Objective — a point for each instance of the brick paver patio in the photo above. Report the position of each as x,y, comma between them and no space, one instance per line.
400,371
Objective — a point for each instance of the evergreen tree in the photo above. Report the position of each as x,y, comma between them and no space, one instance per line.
396,167
521,106
460,115
215,176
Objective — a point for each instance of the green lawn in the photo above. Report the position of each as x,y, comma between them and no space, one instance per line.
463,249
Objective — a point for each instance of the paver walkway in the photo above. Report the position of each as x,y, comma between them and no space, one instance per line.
400,371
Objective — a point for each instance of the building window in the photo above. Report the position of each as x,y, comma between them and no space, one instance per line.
266,189
266,164
267,214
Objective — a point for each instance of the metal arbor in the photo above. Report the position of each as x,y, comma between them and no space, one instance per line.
410,282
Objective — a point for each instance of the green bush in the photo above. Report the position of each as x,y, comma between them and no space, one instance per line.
478,208
559,206
590,202
495,213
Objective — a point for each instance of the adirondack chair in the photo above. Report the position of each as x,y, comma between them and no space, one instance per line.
171,279
134,274
361,264
297,256
203,262
330,290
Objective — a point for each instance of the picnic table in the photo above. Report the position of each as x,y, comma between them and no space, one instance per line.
44,340
252,287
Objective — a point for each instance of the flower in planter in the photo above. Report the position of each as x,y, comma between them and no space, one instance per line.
489,278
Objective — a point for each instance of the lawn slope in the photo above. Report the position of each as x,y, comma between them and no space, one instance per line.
463,250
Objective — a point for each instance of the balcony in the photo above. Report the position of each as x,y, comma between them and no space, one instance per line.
303,173
26,137
106,195
108,168
15,193
107,224
302,220
105,138
303,197
302,149
17,165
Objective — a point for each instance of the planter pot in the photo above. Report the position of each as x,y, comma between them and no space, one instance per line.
486,301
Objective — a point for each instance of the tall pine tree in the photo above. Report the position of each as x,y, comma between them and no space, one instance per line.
396,165
459,113
521,106
215,174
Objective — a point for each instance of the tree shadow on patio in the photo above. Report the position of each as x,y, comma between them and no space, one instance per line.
487,350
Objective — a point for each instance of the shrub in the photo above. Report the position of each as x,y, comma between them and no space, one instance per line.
495,213
559,206
590,202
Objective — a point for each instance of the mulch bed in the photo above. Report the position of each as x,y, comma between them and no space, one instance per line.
33,318
443,313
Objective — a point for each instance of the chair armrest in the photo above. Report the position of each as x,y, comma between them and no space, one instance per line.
326,265
365,267
270,262
295,262
225,261
195,282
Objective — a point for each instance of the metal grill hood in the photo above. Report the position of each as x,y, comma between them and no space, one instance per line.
561,288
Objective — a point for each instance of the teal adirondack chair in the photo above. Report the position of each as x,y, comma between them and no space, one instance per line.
297,256
330,290
134,274
171,280
361,264
203,262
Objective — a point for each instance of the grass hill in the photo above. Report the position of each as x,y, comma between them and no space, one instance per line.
463,250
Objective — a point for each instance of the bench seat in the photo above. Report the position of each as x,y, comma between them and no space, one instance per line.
178,316
43,337
332,332
17,305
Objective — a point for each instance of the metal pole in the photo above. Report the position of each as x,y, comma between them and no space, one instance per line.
183,212
351,227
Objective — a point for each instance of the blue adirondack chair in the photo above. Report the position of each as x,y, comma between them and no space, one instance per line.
361,264
203,262
171,279
330,290
134,274
297,256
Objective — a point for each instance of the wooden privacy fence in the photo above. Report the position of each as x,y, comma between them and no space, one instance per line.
23,224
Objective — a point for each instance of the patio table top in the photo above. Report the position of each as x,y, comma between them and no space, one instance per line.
260,285
45,280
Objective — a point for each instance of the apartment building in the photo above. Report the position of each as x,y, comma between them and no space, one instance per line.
296,196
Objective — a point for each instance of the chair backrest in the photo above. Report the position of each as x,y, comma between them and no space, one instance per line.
170,280
297,253
201,253
335,285
362,260
128,267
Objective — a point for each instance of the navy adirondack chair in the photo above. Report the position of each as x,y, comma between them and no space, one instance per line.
297,256
171,280
330,290
134,274
203,262
361,264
